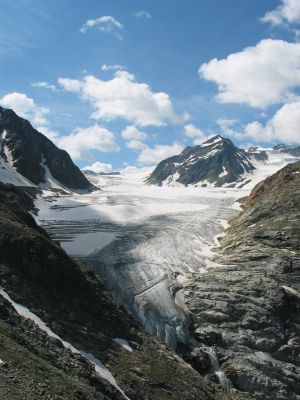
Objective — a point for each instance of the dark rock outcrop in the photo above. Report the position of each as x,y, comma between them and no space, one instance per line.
248,304
216,161
31,151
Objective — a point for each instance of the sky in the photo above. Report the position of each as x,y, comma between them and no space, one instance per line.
127,83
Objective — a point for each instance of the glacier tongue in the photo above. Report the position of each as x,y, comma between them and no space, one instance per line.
162,237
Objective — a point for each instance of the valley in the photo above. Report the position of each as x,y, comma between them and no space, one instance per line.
144,245
196,261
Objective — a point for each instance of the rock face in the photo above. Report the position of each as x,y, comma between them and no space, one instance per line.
257,153
35,157
36,273
216,162
248,304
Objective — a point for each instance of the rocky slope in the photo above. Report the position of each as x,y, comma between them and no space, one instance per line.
248,305
28,157
216,162
36,273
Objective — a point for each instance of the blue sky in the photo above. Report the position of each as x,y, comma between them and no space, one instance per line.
130,82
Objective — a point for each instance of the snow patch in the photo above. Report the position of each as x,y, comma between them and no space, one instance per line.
51,183
123,343
290,291
102,371
224,173
8,173
172,180
209,143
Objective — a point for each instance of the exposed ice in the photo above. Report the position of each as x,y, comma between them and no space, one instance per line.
158,234
147,241
84,244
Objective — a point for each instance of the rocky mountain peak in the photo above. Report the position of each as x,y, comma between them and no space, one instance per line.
28,158
215,162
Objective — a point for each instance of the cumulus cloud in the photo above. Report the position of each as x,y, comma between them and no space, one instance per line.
98,167
134,138
227,127
142,14
44,85
194,133
132,132
287,12
259,76
83,141
71,85
51,134
114,67
136,145
284,126
153,155
106,23
25,107
123,97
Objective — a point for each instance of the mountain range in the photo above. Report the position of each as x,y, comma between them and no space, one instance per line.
216,162
64,337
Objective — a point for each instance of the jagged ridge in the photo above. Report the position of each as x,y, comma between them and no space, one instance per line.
30,149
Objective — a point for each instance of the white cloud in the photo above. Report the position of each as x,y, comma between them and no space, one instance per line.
259,76
287,12
132,132
99,167
136,145
114,67
194,133
123,97
44,85
225,124
25,107
227,128
142,14
83,140
106,23
52,135
71,85
134,138
154,155
284,126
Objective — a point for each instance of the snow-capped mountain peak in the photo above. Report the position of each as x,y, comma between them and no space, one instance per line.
28,158
215,162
